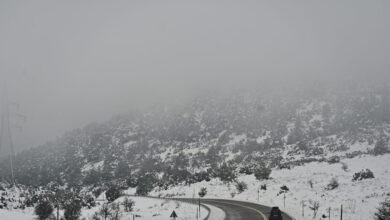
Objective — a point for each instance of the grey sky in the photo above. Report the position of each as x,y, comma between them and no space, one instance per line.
69,63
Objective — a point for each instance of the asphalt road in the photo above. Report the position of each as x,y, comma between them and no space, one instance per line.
237,210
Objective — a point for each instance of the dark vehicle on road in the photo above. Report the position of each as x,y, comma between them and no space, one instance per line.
275,214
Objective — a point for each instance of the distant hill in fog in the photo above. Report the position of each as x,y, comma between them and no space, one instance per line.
194,141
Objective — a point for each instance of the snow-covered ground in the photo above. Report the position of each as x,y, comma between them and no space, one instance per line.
359,199
154,209
144,209
216,213
16,214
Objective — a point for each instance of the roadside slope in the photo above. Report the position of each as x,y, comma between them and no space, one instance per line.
360,198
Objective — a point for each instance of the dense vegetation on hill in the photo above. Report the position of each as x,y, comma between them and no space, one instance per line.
217,135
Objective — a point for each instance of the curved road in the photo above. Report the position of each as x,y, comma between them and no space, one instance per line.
236,210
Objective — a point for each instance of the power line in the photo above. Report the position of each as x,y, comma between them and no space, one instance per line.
6,131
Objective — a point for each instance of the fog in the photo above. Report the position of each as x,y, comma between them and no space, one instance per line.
69,63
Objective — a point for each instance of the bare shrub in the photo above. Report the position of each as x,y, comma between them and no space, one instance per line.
310,183
344,166
203,192
241,186
364,174
314,206
333,184
128,204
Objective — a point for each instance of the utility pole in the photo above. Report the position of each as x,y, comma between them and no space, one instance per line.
199,209
6,132
329,213
341,212
284,200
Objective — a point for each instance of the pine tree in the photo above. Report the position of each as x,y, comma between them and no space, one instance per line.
92,177
226,173
72,209
262,173
43,209
381,146
113,193
122,170
383,212
146,184
296,133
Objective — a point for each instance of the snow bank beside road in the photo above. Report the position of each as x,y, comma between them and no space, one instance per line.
144,209
215,213
155,209
149,208
16,214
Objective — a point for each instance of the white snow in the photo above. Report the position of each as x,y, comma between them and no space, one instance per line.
16,214
235,139
144,209
215,213
92,166
154,209
360,198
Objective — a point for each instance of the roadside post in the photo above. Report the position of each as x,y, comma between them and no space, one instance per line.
199,209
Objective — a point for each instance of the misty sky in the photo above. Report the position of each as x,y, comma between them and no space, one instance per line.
68,63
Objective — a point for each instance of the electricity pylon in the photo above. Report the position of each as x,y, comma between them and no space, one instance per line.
5,130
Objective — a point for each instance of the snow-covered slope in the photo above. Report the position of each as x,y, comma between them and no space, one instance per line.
359,198
301,136
144,209
16,214
154,209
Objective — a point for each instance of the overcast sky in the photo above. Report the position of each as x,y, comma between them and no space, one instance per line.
69,63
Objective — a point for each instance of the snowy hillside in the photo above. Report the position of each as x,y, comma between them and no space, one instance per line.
359,198
295,138
183,142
